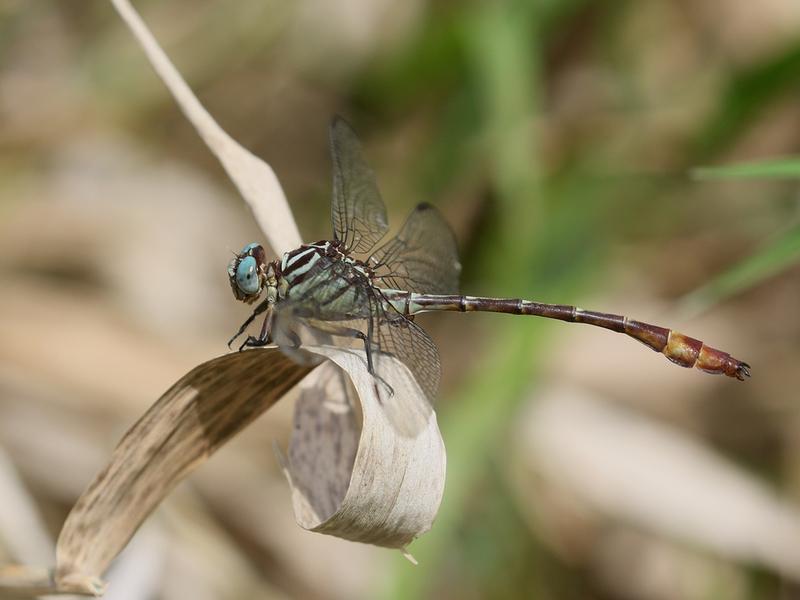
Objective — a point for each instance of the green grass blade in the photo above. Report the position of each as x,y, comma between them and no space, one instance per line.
770,260
779,168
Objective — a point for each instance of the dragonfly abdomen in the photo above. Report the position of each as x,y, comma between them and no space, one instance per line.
677,347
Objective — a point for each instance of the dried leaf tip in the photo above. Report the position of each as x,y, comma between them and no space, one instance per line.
78,583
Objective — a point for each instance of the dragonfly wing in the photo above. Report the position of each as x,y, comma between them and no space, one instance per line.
336,299
399,337
422,258
368,325
358,213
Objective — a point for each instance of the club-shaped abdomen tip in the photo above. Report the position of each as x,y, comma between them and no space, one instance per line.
689,352
712,360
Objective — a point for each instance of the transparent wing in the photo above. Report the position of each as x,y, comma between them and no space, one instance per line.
369,325
403,339
358,213
339,300
422,258
336,302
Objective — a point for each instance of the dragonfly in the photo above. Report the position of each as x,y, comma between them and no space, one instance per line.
356,288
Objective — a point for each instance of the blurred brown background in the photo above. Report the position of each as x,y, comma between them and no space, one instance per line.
557,138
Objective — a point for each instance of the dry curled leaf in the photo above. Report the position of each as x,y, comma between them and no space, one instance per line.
389,492
353,478
198,414
183,428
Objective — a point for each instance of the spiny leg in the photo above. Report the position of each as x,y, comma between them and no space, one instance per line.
259,309
264,337
353,333
374,305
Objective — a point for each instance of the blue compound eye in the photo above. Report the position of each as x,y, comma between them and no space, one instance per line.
246,249
247,276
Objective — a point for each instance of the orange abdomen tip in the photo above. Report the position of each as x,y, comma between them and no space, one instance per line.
689,352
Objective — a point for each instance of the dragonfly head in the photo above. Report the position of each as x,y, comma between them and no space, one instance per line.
248,273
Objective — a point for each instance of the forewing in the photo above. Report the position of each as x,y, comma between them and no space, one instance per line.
358,212
422,258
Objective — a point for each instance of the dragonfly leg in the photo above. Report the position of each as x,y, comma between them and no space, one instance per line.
266,304
252,342
264,337
368,350
350,332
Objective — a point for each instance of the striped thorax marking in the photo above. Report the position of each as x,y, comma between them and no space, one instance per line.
297,263
323,274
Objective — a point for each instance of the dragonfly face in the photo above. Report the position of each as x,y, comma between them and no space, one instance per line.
249,274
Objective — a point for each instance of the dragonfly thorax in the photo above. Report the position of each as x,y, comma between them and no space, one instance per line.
298,265
321,279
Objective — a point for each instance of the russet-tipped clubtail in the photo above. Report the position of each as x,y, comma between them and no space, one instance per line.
346,288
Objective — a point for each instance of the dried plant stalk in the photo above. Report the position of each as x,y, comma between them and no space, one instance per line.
253,177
